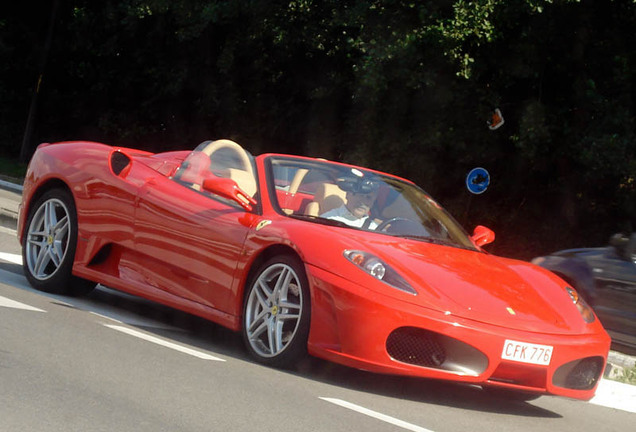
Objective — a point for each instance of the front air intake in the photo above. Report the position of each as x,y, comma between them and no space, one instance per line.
580,374
416,346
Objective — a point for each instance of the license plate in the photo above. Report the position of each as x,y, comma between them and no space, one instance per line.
526,352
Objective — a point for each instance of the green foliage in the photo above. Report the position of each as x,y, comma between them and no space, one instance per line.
11,169
627,376
398,85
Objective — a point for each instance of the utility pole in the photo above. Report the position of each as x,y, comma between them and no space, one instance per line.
27,147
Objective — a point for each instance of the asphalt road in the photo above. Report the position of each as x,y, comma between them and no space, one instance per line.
113,362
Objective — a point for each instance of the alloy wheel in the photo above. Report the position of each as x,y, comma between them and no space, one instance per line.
273,310
47,239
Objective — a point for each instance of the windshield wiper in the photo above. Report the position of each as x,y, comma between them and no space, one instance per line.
426,239
433,240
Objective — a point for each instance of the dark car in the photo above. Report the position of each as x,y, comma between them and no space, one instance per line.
606,278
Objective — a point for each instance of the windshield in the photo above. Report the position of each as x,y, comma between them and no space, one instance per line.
351,197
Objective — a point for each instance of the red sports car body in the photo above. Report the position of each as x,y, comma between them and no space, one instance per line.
272,246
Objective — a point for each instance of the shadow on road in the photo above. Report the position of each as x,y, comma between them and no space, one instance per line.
184,328
10,267
419,389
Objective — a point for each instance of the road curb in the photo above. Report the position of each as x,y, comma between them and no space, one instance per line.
617,365
9,206
8,220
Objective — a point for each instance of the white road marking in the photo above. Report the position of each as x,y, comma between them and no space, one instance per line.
5,302
616,395
107,317
376,415
12,258
122,316
164,343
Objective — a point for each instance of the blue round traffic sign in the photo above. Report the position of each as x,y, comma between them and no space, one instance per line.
477,180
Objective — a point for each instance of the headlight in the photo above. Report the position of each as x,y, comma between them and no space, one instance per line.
379,270
584,309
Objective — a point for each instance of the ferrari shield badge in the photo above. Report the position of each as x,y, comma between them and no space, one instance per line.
262,224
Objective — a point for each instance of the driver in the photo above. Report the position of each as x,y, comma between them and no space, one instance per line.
361,194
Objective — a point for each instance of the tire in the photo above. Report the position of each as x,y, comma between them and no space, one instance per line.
48,247
277,312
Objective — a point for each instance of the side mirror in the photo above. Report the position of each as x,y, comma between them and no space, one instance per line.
625,246
482,235
227,188
619,241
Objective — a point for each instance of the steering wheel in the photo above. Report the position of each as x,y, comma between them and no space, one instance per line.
383,226
239,151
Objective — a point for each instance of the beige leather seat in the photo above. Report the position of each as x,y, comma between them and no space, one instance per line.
328,197
244,179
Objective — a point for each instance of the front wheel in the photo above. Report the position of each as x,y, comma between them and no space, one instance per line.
277,312
48,247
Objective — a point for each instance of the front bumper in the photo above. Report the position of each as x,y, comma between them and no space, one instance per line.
361,328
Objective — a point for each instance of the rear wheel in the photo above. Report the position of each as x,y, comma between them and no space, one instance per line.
48,248
276,314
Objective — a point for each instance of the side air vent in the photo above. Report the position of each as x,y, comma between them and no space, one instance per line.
119,162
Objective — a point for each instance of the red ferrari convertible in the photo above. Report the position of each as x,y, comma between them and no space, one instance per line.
302,256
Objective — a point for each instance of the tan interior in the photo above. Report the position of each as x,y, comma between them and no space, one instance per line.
328,197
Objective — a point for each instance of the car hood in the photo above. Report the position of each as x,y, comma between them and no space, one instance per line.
472,284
